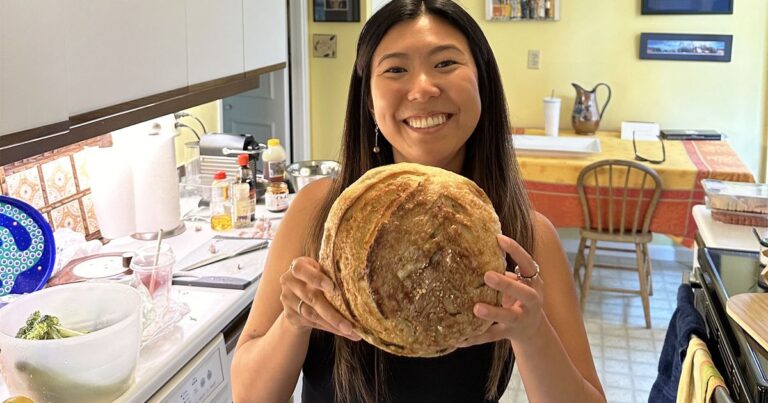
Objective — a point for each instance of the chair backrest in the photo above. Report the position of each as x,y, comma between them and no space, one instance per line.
618,196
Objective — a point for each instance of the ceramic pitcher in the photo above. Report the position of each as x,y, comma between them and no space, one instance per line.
586,112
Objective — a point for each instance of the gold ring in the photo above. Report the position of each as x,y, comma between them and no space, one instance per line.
298,308
527,278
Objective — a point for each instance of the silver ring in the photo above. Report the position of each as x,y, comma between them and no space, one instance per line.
290,267
527,278
298,308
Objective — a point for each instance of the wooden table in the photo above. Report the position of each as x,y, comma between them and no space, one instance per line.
551,181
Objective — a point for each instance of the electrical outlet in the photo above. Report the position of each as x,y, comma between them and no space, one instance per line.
324,45
534,59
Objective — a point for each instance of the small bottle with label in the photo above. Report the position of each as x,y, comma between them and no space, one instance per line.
274,161
245,175
276,198
221,214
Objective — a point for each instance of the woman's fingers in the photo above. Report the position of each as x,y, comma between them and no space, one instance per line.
307,283
308,270
497,331
510,287
525,262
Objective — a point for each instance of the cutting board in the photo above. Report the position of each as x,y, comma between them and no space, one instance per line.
750,311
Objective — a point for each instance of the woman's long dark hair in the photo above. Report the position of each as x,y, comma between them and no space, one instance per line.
489,161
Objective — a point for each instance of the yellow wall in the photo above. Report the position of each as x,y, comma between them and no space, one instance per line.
209,114
595,41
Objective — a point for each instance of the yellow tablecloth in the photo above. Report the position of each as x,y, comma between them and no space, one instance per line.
551,181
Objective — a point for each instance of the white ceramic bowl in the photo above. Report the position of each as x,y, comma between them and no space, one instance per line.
303,172
95,367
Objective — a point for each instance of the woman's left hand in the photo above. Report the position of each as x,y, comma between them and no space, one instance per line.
522,300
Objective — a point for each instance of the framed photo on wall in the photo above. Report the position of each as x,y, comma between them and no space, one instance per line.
336,10
522,10
687,7
699,47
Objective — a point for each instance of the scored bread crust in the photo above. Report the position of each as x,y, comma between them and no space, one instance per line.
407,246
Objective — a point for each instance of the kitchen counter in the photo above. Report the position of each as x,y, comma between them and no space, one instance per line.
211,309
721,235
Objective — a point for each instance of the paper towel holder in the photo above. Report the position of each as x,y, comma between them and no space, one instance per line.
151,236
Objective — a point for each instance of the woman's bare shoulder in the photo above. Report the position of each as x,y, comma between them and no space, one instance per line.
309,199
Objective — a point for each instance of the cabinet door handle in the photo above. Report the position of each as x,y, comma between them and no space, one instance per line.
228,107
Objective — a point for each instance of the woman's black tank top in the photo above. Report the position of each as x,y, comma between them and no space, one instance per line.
460,376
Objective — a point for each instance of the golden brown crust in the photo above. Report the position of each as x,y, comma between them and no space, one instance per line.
407,246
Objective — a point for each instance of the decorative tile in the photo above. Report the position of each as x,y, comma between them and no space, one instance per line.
26,185
90,214
68,216
81,168
59,179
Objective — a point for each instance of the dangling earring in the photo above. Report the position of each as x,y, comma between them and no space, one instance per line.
376,148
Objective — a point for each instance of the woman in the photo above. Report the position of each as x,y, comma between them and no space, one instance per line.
425,89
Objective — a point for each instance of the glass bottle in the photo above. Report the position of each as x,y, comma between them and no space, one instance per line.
245,175
221,214
276,198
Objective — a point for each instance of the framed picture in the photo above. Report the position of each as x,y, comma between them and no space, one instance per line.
687,7
522,10
711,48
336,10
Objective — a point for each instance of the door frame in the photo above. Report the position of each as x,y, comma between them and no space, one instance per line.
298,82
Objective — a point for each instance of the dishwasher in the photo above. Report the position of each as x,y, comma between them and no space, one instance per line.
205,378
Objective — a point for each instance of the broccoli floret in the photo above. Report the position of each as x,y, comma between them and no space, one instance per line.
45,327
31,320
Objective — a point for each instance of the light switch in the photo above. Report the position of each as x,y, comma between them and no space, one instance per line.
324,45
534,59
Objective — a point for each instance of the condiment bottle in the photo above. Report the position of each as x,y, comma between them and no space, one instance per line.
274,161
276,198
221,215
243,194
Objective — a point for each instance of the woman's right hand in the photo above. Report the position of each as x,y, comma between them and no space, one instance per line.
304,302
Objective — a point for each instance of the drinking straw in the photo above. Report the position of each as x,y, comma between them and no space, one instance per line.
157,259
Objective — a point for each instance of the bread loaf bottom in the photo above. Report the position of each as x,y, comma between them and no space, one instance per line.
407,246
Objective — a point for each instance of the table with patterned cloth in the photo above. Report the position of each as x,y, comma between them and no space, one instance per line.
551,181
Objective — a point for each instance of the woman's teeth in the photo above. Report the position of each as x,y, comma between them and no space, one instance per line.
426,123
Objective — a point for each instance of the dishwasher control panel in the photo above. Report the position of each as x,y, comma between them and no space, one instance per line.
204,379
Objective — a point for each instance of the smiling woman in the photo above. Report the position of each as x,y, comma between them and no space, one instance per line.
425,89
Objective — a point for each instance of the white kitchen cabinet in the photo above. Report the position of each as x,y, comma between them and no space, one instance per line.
121,50
32,66
214,39
265,29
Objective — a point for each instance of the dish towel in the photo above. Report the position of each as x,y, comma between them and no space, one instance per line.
699,377
685,322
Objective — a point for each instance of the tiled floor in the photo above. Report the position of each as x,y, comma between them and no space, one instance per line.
626,353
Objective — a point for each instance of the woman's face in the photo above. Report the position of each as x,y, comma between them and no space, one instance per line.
424,91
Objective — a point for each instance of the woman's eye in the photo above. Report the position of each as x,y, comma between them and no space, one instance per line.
395,70
445,63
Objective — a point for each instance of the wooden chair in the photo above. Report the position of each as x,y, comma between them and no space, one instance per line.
618,198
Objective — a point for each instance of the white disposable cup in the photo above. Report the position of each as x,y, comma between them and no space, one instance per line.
551,116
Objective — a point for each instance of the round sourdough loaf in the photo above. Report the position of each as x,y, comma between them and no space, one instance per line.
407,246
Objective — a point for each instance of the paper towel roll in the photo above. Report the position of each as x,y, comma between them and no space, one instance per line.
156,184
135,187
112,191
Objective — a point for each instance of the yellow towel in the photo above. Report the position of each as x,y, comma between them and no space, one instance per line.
699,377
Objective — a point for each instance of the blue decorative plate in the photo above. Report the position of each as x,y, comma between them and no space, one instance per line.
27,251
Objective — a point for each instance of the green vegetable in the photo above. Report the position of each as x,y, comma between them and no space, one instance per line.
45,327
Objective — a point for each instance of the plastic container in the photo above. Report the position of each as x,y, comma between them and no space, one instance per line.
736,196
96,367
274,161
221,209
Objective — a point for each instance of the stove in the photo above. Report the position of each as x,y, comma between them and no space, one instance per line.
740,358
